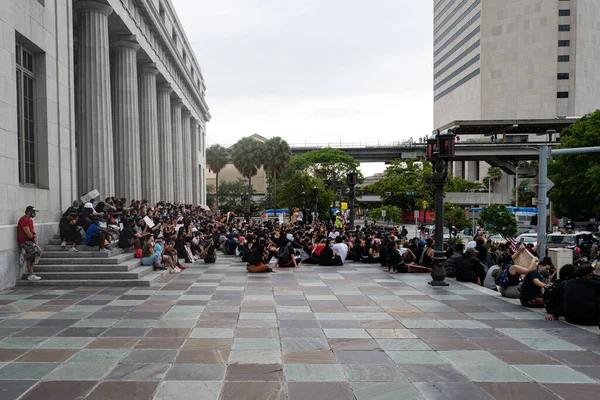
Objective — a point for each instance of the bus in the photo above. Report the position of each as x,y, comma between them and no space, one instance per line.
524,215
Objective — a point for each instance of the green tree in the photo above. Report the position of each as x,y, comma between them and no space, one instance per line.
278,156
493,176
459,185
525,195
405,184
576,177
327,164
392,213
248,156
498,218
230,195
216,159
303,182
455,216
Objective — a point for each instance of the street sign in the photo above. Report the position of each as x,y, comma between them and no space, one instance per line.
410,193
424,204
383,212
416,214
533,185
344,206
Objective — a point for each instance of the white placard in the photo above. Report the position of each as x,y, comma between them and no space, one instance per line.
88,196
149,222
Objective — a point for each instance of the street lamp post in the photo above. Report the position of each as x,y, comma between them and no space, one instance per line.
316,198
352,179
439,151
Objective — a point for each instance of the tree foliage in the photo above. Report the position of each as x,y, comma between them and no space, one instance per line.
455,216
525,195
216,159
392,213
498,218
460,185
230,195
292,188
493,176
248,156
408,183
576,177
277,156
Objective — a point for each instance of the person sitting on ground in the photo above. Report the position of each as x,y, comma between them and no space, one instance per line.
580,299
255,261
469,269
327,256
369,254
97,236
128,237
508,284
27,238
285,255
451,263
481,250
394,259
532,290
211,256
340,248
553,297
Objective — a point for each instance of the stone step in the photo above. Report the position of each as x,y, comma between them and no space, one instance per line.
126,266
135,273
144,281
81,247
121,258
85,252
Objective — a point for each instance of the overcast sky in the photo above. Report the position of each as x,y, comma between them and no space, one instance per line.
315,71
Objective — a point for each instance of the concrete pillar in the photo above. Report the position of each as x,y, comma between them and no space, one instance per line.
165,140
195,133
177,134
149,147
93,112
187,155
126,119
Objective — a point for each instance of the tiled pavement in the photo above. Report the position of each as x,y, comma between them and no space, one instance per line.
310,333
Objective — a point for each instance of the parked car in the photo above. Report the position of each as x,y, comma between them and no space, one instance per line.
527,238
583,240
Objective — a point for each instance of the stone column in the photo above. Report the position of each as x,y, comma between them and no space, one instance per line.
187,155
165,140
149,148
178,183
95,166
126,119
195,161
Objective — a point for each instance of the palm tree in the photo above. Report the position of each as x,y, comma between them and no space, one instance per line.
494,175
216,159
278,156
247,157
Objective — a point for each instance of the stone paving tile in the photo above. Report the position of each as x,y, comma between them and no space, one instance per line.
352,332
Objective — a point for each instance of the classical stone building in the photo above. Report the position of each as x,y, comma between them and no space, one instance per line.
514,60
95,94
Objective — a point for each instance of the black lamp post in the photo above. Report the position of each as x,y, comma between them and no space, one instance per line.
316,198
439,151
351,180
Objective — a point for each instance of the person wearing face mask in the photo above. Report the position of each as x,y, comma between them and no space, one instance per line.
28,242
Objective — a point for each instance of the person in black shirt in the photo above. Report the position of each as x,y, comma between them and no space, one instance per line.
580,299
211,256
327,258
255,263
128,237
532,290
469,269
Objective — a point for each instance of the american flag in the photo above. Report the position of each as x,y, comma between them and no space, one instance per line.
513,243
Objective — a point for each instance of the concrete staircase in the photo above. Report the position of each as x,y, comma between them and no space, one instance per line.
90,267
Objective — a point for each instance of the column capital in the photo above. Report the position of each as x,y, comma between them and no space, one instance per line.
164,87
186,113
91,5
118,42
147,68
176,102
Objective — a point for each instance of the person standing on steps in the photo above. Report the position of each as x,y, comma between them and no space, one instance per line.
28,242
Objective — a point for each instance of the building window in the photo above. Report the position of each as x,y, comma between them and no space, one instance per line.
564,58
562,95
564,13
26,134
174,36
161,12
564,28
564,75
564,43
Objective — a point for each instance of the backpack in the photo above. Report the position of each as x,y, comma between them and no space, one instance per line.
204,253
504,279
283,254
552,297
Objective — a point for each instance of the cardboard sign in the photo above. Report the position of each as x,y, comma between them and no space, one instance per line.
89,196
524,258
149,222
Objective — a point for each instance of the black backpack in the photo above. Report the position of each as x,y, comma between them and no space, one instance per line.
283,254
552,297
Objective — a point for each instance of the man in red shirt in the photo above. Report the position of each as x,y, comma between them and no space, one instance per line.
27,239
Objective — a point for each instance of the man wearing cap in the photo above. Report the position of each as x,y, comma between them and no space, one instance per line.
27,239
